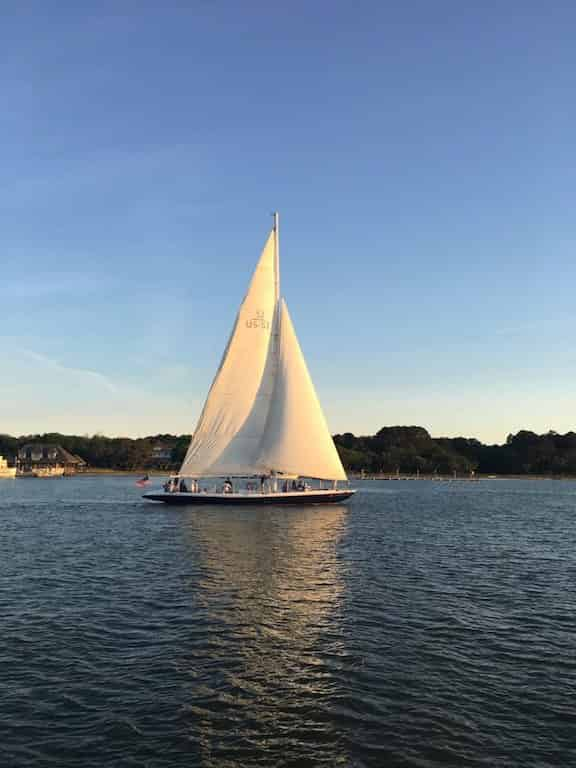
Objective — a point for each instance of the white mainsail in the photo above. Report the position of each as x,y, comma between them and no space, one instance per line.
262,414
229,432
296,439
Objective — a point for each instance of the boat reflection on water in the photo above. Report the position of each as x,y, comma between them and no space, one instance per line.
270,589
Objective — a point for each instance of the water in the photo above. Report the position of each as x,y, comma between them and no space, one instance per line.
424,624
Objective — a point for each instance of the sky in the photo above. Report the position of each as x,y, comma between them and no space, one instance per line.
421,155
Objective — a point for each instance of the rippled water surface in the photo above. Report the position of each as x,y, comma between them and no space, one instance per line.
423,624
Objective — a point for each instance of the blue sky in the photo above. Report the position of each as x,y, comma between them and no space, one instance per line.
422,158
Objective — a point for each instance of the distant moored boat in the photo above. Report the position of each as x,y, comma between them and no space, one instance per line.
5,470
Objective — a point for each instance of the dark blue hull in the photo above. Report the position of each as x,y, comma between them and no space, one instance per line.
232,499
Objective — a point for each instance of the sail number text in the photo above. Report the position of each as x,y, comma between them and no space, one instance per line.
258,322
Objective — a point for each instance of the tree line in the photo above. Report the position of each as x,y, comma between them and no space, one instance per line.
411,450
407,450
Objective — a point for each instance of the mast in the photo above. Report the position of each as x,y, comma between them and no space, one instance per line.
277,254
275,340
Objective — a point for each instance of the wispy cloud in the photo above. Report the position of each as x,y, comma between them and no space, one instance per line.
49,362
38,286
41,393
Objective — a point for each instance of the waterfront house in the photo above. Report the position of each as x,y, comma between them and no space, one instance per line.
48,458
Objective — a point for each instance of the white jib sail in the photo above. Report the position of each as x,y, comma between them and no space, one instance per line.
231,425
296,439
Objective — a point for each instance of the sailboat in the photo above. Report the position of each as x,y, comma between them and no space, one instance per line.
262,437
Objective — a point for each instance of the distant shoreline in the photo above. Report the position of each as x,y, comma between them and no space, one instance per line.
149,472
352,476
458,478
